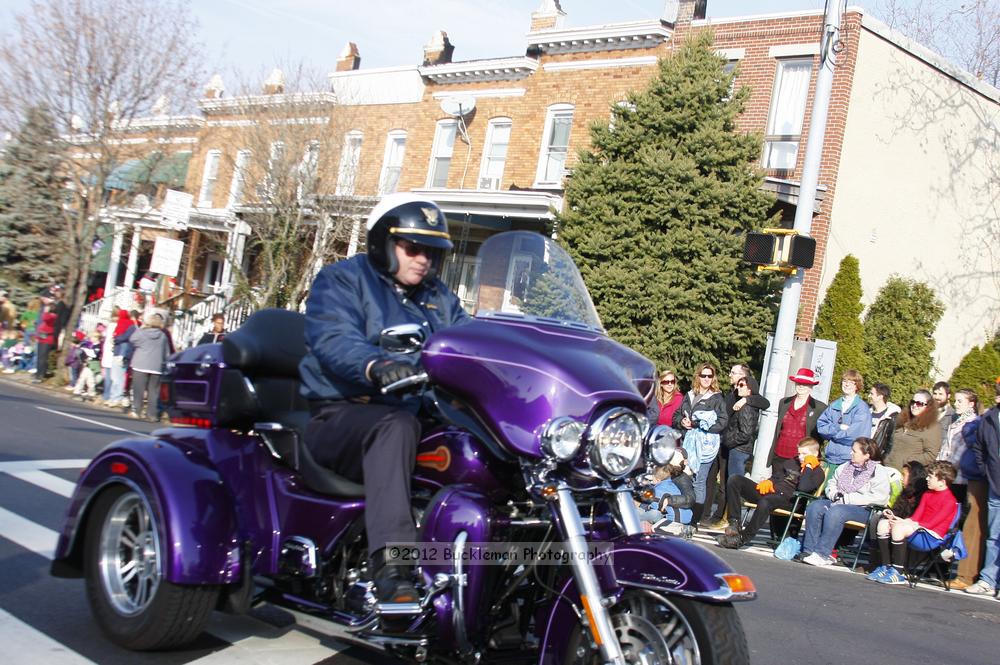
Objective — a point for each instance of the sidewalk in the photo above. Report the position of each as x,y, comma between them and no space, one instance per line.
26,380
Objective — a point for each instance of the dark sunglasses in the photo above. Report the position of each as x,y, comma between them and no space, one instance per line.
917,402
668,382
707,376
412,249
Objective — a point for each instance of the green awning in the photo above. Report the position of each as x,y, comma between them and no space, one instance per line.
154,169
102,254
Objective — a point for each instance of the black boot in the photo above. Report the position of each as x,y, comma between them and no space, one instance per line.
729,541
393,581
733,529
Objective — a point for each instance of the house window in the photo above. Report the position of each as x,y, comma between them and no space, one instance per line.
274,178
307,172
555,146
239,178
208,178
392,162
444,145
788,108
623,107
494,153
350,160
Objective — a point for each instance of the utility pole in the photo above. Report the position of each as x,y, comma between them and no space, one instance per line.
784,333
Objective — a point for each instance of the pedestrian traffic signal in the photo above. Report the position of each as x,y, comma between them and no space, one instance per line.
779,250
758,248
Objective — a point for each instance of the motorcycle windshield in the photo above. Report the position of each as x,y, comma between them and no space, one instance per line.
527,276
536,349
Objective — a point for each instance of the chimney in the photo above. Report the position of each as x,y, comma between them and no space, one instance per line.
215,88
275,83
349,58
438,50
682,12
549,15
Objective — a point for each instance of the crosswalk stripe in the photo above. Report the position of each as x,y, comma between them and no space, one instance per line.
257,642
20,638
46,481
27,534
36,464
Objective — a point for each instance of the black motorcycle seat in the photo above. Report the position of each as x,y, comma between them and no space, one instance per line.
290,445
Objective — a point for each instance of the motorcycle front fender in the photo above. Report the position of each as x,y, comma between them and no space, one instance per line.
670,566
194,512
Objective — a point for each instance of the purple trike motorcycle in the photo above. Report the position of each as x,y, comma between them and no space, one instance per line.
534,432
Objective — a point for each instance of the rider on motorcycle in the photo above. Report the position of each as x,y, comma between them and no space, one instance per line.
356,431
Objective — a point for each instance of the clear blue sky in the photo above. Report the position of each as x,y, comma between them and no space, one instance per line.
253,35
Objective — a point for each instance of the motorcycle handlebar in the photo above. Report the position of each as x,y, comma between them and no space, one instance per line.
405,383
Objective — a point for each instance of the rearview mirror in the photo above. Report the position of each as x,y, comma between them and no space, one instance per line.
405,338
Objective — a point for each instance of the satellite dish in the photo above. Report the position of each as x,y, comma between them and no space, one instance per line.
458,106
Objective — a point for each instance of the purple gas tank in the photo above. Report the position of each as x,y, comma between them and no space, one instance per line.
517,375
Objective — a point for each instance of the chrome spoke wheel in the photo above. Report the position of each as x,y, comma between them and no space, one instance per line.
129,558
651,630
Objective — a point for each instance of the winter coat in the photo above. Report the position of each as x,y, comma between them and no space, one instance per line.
987,447
922,445
47,329
814,407
741,432
349,305
840,428
876,491
789,478
150,350
884,427
691,403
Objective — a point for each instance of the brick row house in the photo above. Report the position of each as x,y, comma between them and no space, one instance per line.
907,181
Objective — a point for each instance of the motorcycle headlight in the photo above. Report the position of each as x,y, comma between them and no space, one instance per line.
661,442
616,441
561,438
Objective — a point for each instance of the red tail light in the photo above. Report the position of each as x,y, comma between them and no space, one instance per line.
119,468
188,421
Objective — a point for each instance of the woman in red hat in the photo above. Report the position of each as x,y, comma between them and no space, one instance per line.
797,416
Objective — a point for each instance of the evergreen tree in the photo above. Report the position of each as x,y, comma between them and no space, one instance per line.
839,318
899,335
978,370
656,214
31,257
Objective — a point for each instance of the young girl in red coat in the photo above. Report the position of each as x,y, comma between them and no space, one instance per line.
934,514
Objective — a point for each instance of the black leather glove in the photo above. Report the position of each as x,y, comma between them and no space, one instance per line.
387,372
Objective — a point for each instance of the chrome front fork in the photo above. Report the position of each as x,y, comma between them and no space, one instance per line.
598,618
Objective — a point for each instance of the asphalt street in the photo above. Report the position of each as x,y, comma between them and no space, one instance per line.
803,614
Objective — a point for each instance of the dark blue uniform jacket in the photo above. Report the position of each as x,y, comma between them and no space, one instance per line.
349,304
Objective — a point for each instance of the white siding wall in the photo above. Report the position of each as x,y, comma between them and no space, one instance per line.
918,191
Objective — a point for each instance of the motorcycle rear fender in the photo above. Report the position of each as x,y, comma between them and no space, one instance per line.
667,565
193,509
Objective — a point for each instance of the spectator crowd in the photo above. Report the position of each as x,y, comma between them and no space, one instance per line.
921,480
118,364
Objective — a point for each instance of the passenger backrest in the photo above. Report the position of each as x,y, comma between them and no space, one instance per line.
267,349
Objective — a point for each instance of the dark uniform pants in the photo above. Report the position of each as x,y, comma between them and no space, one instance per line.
375,445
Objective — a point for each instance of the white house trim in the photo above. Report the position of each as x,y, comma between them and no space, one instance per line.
732,53
478,94
610,37
497,69
610,63
793,50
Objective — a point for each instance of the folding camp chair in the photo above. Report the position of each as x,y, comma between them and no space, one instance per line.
931,549
799,502
895,487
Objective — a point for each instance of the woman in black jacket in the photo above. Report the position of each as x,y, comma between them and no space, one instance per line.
741,433
702,417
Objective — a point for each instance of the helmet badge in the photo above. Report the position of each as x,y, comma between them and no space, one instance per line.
432,215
